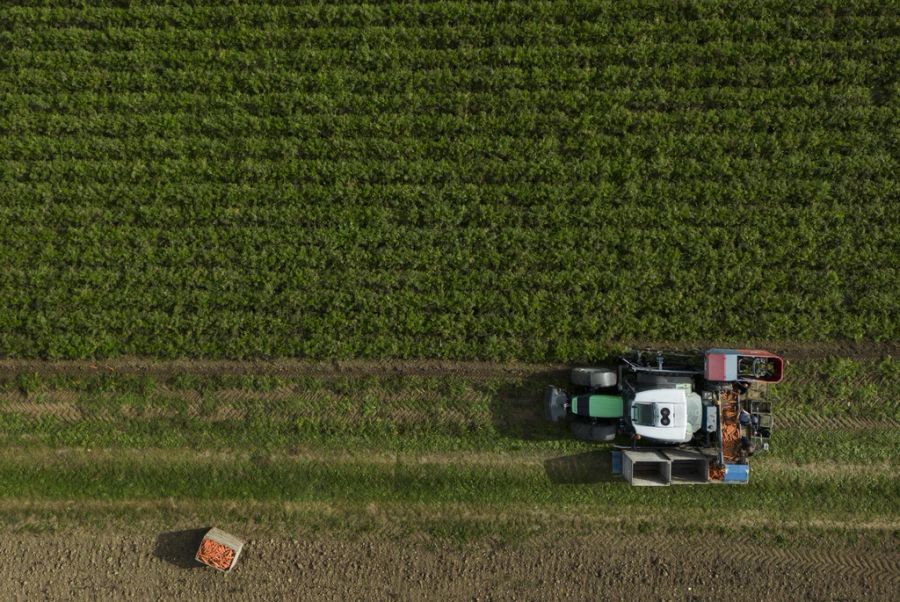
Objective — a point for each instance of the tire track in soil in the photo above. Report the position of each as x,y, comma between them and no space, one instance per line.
836,423
231,405
836,558
882,564
418,406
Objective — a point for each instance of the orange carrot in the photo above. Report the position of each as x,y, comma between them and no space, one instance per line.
215,554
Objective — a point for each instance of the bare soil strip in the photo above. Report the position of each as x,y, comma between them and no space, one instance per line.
471,369
107,565
229,405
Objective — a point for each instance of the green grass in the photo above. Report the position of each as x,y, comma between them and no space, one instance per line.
837,445
841,387
537,180
451,457
780,495
347,477
442,524
268,413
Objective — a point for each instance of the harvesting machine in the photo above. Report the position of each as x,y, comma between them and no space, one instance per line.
692,417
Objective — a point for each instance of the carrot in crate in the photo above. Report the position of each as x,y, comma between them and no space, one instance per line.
215,554
219,550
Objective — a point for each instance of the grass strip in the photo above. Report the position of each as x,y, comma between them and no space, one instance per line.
778,494
819,416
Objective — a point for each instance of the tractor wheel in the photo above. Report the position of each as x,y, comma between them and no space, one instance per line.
594,432
594,378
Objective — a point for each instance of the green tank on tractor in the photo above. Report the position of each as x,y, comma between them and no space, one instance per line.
592,405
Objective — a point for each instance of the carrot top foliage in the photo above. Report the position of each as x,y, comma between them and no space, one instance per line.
536,180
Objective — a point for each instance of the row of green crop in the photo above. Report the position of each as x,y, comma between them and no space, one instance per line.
414,325
312,56
271,35
377,242
533,121
443,12
417,303
212,78
392,297
360,231
86,103
609,207
480,168
792,152
281,280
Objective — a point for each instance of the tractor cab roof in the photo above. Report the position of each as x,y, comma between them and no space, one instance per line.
666,415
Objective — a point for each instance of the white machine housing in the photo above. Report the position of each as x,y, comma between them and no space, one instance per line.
666,415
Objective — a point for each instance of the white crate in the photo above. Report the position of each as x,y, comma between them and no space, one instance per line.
646,468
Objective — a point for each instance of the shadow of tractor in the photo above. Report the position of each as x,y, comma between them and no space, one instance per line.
518,413
517,407
580,469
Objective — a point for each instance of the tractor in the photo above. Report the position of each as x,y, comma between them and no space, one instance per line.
689,417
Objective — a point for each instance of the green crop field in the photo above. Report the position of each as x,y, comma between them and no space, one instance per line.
305,268
535,180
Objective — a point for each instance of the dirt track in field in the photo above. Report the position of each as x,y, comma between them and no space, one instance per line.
469,369
78,565
230,405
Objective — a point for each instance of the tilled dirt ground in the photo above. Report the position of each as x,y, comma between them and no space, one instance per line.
100,565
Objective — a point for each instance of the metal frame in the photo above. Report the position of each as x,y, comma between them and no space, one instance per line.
660,361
